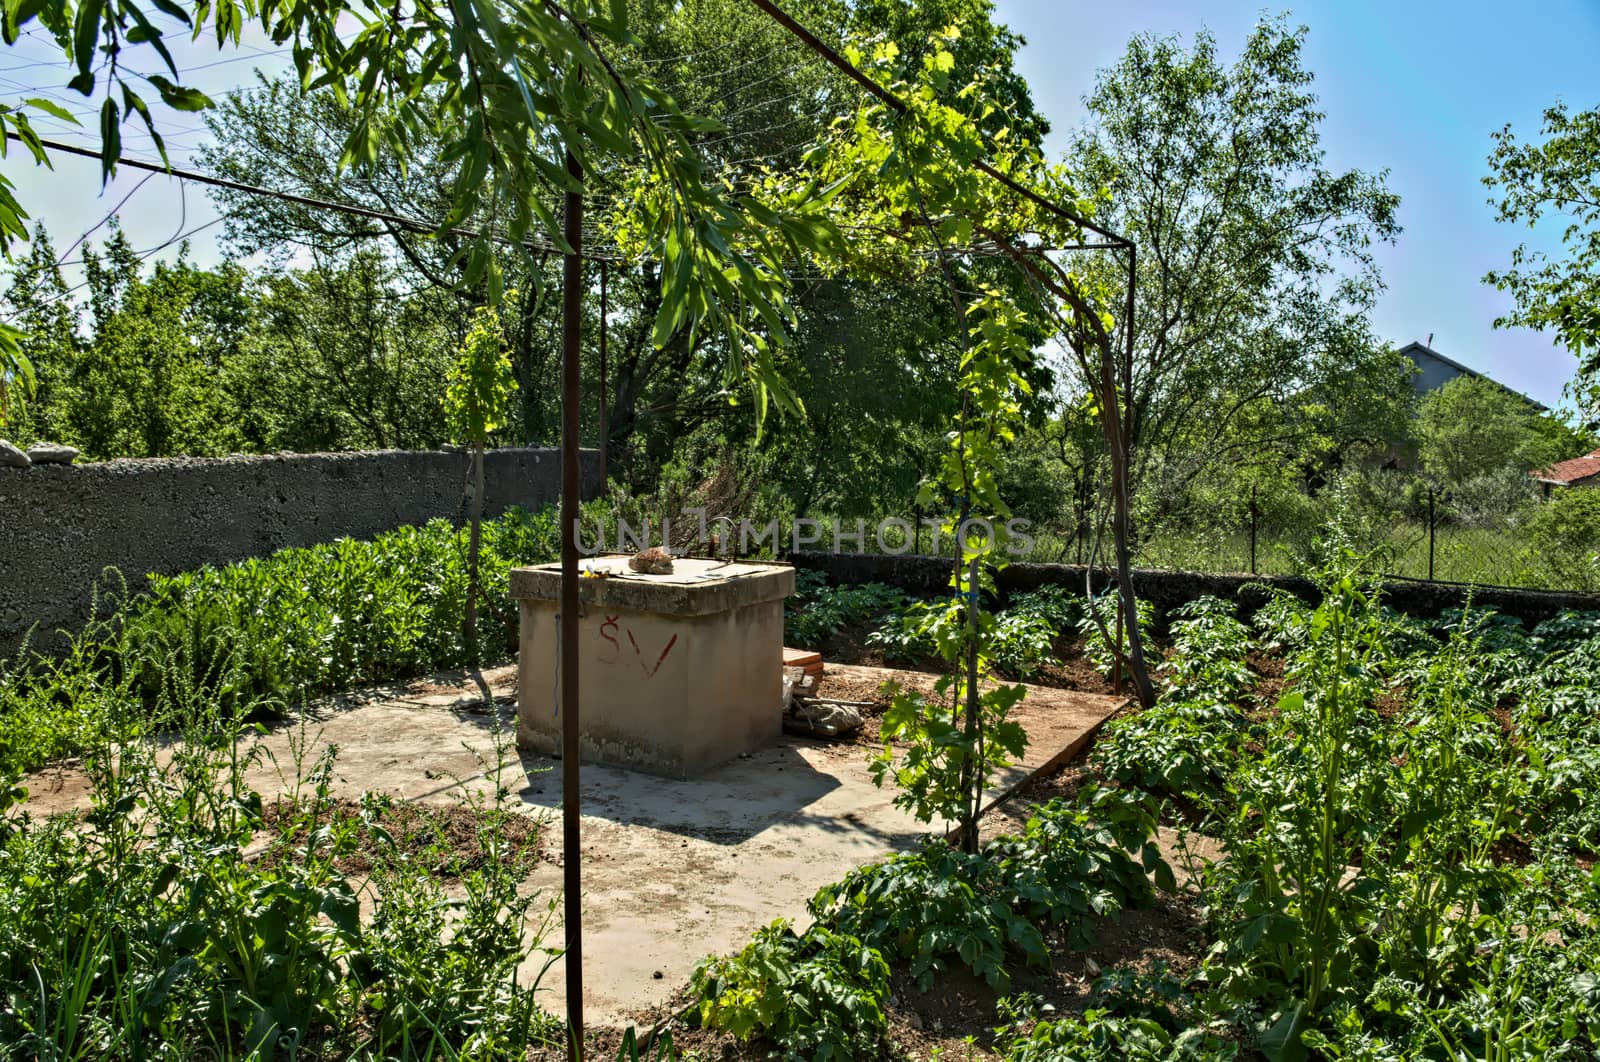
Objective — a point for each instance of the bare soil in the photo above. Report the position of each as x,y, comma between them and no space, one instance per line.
452,839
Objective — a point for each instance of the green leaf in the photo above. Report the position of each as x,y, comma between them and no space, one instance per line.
179,97
55,110
110,139
86,31
1282,1041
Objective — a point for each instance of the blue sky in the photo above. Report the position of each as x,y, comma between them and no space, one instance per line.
1414,88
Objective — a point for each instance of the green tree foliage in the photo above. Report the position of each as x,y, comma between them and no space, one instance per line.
1216,171
1563,541
507,97
345,355
174,359
875,358
137,374
44,318
1559,178
1472,428
478,390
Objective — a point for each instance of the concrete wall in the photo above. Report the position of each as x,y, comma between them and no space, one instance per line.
61,525
1167,590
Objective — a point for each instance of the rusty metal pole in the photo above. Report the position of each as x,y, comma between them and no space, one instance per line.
605,431
571,840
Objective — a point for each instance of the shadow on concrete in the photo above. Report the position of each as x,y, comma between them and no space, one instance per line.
727,805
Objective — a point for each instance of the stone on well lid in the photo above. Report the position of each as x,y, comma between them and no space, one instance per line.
49,453
694,587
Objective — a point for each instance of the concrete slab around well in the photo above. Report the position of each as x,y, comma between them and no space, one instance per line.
674,870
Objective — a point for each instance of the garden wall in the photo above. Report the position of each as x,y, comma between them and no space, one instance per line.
61,525
1167,590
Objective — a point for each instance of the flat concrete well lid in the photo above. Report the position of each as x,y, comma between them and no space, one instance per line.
694,587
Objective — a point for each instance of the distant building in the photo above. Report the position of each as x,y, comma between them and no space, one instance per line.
1434,370
1575,472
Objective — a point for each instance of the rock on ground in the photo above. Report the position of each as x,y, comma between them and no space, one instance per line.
11,457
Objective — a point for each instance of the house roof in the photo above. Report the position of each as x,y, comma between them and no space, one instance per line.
1434,354
1574,472
1412,349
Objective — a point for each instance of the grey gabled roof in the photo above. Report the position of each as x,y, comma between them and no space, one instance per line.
1423,348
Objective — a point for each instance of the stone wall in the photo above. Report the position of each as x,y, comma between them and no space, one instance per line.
61,525
1167,590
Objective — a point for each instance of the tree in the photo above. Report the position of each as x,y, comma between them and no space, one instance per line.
344,355
143,373
508,96
1473,428
1216,172
41,311
181,360
1561,538
772,100
1560,177
479,385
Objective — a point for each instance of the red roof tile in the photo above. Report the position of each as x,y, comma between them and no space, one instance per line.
1570,472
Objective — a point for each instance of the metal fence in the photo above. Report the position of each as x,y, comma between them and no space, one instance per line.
1421,532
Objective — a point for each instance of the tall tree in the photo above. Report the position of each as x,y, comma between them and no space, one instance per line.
1216,171
1558,177
40,306
1472,428
345,355
519,101
143,380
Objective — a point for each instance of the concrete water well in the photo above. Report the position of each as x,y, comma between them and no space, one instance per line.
677,672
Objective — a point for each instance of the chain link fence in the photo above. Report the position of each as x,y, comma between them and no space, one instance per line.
1506,534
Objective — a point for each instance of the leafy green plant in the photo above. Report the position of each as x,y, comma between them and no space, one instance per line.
1283,624
1566,630
267,631
629,1051
1070,865
1180,747
934,771
818,610
1361,849
1021,639
1062,609
928,906
1021,642
814,996
154,928
477,390
1074,863
57,704
913,632
1099,619
1101,1035
1209,646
